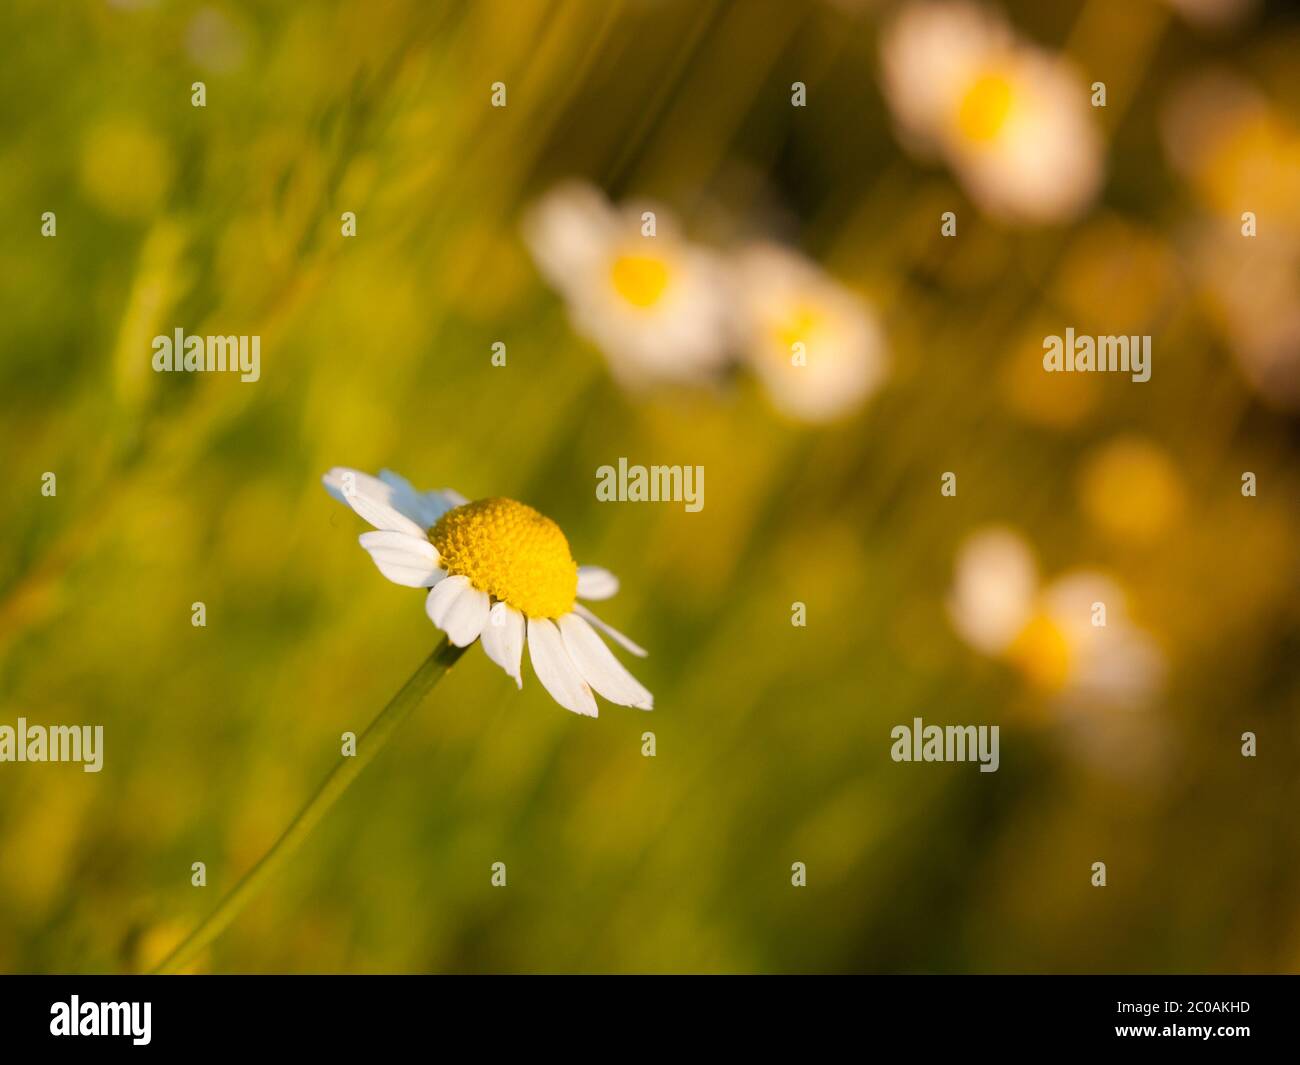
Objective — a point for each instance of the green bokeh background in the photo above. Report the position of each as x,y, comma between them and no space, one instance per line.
772,740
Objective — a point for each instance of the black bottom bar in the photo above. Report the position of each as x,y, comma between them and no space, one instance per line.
341,1013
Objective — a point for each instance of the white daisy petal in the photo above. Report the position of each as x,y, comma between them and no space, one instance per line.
383,516
610,631
340,479
599,667
995,583
440,599
503,639
594,583
459,609
407,560
450,498
422,507
556,670
371,498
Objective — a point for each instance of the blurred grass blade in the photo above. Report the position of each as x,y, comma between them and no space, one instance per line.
399,708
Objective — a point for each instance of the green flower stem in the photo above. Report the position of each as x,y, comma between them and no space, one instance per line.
380,731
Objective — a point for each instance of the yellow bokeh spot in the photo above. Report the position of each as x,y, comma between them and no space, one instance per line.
1042,653
1115,277
158,941
126,169
985,107
1257,160
639,279
1131,489
512,552
1060,400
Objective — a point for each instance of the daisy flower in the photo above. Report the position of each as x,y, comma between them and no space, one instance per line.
999,607
500,573
497,572
814,344
1236,148
1252,293
655,305
1013,120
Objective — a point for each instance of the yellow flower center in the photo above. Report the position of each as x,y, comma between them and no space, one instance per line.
1042,653
639,279
798,325
985,107
511,552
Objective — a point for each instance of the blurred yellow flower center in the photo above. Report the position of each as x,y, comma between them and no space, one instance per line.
799,325
511,552
639,279
1042,653
985,107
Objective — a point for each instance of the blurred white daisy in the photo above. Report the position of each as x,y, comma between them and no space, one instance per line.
1050,633
1012,119
501,573
815,345
656,305
1238,150
1252,290
1236,147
